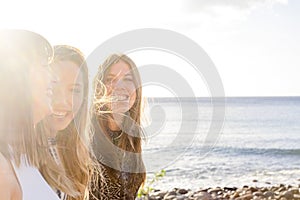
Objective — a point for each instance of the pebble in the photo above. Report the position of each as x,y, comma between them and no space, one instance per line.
287,194
160,194
245,197
297,196
203,195
294,190
230,188
258,193
170,197
268,194
182,191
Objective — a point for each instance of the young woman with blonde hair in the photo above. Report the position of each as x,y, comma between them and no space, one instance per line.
25,98
68,143
42,157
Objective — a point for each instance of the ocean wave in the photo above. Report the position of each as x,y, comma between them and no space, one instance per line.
256,151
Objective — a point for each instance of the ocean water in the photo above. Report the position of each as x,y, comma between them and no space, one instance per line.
259,140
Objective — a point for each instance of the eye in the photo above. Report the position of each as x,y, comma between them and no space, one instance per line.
76,90
108,80
128,79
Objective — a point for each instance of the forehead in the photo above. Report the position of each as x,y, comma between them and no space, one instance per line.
120,68
67,71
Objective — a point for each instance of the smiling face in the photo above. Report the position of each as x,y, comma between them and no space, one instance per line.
25,59
41,84
68,94
120,87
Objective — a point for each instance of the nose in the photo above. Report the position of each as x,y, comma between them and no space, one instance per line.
114,85
53,77
59,99
119,84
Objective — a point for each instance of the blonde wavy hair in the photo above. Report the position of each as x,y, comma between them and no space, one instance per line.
76,175
20,51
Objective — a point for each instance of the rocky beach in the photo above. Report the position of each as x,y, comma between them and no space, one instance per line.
276,192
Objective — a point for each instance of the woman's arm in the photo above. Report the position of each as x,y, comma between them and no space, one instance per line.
9,186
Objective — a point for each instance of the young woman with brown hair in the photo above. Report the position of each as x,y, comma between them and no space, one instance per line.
117,130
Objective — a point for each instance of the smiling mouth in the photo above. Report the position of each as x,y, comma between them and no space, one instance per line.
120,98
59,114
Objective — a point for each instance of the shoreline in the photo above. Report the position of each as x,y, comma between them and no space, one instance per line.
246,192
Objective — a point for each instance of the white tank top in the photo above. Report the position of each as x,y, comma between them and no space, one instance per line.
33,185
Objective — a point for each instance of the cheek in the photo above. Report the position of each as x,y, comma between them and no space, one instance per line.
77,102
132,98
40,82
108,90
133,93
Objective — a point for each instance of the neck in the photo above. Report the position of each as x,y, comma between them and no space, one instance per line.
51,133
115,121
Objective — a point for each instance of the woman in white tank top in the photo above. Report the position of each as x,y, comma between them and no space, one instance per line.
34,163
32,166
26,88
33,184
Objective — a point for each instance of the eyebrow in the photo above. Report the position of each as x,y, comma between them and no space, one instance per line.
128,74
76,84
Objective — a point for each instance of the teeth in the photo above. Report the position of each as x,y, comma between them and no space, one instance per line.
120,98
59,114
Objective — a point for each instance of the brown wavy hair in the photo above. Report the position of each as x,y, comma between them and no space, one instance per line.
130,139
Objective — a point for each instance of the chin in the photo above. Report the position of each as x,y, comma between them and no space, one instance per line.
60,127
119,108
120,111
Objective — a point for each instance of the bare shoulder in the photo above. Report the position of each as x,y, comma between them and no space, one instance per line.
9,187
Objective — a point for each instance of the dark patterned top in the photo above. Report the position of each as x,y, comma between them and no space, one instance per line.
114,184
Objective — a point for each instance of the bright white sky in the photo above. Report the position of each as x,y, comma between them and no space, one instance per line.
254,44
